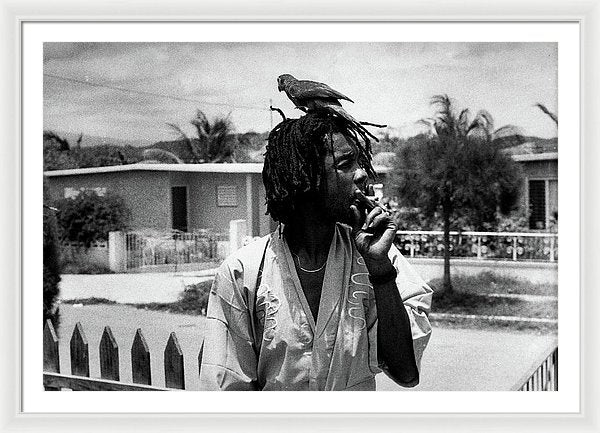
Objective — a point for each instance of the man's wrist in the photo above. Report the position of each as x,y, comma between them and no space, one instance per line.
384,278
382,274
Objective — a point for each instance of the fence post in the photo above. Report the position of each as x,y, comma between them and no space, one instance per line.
51,354
174,377
109,356
80,358
412,246
140,360
514,254
478,247
117,251
238,230
552,239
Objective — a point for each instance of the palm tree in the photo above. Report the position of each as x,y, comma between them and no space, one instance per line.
453,136
213,143
549,113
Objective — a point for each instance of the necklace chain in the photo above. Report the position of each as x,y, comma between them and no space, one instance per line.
320,268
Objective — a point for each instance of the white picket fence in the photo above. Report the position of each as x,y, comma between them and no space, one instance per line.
480,245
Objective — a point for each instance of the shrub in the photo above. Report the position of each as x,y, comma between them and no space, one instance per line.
89,218
195,297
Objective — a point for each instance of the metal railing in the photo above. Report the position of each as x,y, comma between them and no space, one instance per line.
543,374
152,248
480,245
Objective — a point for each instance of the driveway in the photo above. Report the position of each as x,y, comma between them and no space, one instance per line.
130,288
455,360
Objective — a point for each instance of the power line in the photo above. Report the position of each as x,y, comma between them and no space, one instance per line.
159,95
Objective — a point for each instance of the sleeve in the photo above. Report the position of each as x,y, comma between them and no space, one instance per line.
228,359
416,296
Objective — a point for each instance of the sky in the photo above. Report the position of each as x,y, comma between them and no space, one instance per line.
390,83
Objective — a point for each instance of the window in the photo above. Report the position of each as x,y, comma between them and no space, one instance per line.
227,196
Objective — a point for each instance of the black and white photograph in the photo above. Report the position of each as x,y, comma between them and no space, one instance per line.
294,196
297,216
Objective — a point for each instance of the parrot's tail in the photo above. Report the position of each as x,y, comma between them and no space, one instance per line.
339,111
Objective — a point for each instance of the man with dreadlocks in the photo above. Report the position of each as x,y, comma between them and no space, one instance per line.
326,301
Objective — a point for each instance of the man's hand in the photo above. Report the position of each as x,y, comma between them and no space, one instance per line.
374,234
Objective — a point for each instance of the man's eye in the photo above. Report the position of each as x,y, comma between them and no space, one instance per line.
345,160
345,163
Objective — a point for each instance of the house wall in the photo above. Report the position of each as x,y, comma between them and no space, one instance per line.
265,223
204,213
147,194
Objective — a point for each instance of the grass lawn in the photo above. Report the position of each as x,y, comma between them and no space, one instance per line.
468,303
489,282
471,296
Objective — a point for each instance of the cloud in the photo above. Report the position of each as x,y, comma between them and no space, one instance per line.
390,82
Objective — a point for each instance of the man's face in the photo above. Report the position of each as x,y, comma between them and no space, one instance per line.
342,178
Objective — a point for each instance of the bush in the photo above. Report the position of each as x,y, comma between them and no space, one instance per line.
51,265
195,297
89,218
193,300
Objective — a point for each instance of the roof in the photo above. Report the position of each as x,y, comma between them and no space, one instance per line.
538,145
187,168
536,157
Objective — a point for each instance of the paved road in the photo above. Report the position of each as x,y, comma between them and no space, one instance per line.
456,359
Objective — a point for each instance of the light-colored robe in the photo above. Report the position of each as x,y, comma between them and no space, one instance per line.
267,339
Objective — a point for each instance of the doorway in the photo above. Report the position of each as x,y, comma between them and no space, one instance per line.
179,208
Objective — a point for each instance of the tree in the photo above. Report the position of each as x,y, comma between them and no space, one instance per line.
214,142
548,113
59,154
89,217
458,171
51,263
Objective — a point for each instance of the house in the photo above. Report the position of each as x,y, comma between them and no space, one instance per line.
540,187
185,197
190,197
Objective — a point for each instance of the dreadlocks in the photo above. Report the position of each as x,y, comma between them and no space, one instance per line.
294,158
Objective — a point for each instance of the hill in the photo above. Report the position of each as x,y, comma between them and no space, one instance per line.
62,151
93,140
248,147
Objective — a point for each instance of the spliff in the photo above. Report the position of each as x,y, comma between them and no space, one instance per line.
368,204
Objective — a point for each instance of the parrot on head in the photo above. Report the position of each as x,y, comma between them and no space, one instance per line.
310,96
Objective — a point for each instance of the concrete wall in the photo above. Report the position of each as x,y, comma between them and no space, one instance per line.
536,272
146,194
202,205
95,255
265,222
540,169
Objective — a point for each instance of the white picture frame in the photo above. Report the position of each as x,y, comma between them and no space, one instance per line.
15,15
